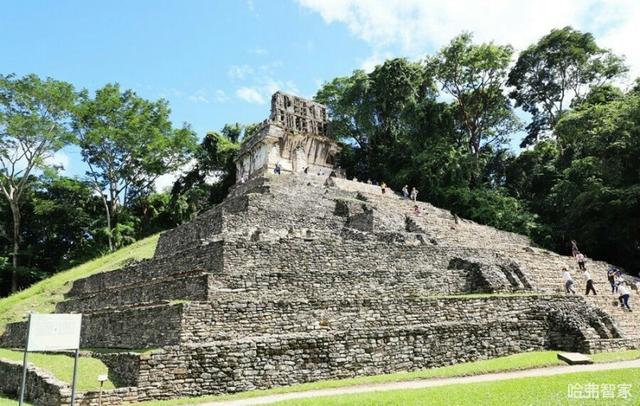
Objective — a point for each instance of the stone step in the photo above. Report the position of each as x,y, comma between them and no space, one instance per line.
233,318
150,326
207,257
610,345
193,285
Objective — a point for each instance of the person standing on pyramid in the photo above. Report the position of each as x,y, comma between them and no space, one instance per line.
414,194
581,260
611,277
405,192
383,187
574,248
568,281
590,288
623,291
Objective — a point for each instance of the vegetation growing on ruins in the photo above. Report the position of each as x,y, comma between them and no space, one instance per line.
43,296
445,124
61,367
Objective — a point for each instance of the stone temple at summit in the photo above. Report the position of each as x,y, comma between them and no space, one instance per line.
294,137
303,276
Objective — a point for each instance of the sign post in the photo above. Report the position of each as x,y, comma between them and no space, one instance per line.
52,332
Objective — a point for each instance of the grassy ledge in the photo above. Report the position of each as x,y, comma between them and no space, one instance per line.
529,360
5,401
43,296
61,366
537,391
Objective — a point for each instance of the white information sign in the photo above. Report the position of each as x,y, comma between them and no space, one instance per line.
54,332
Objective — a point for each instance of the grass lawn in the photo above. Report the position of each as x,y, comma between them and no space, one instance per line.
61,366
543,391
43,296
4,401
509,363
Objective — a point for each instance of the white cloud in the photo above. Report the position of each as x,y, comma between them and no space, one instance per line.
262,83
239,71
414,28
221,96
267,86
250,95
259,51
200,96
376,58
271,86
165,182
58,159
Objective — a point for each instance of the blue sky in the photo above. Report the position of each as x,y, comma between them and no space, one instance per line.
219,61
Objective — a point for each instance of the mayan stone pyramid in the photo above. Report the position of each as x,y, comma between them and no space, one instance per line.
304,275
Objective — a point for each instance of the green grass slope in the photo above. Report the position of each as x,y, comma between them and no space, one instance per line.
61,366
539,391
5,401
43,296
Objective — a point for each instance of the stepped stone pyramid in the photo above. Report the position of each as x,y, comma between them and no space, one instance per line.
302,277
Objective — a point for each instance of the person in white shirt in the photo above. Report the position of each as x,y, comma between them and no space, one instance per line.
414,194
581,260
623,291
590,288
618,279
568,281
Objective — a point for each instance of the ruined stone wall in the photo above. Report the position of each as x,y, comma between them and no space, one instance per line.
42,389
298,114
128,327
190,234
297,358
124,367
222,320
140,327
349,267
193,285
206,257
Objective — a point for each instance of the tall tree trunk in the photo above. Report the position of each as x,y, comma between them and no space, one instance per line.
108,216
15,211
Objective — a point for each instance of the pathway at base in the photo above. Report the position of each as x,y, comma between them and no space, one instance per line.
427,383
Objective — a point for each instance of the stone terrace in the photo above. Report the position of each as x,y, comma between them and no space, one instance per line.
297,278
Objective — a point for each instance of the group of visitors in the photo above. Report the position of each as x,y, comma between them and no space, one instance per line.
406,195
618,285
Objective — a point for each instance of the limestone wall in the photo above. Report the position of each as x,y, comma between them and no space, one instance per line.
205,322
297,358
207,257
193,285
129,327
349,267
41,389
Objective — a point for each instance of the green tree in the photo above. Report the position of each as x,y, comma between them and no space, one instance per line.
474,76
34,115
214,172
127,142
377,113
560,68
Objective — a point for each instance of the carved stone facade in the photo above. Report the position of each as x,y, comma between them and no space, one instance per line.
294,137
